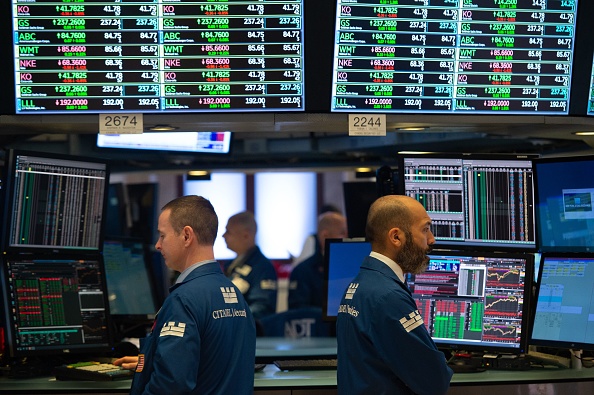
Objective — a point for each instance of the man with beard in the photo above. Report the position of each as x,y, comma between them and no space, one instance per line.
383,345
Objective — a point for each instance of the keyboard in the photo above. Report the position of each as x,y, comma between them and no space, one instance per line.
92,371
307,364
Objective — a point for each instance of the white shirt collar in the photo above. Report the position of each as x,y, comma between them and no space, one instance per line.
186,272
390,263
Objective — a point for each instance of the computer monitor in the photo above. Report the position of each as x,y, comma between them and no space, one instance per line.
342,260
564,192
476,300
358,197
564,309
475,201
55,305
197,142
130,280
468,300
54,203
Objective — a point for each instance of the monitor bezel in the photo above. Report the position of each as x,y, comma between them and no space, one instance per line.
526,305
6,309
135,319
537,202
325,315
9,206
474,245
556,344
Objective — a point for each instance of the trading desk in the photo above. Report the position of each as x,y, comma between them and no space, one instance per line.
272,381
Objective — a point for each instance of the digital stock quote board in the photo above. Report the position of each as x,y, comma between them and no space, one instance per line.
453,56
76,56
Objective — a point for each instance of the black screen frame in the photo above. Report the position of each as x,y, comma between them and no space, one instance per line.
474,245
11,204
539,204
129,318
526,305
326,316
11,325
550,343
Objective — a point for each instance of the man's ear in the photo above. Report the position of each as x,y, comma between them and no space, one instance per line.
188,233
395,236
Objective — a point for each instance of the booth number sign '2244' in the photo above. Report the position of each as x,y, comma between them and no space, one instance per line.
367,125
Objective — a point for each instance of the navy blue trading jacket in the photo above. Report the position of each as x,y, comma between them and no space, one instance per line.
383,345
194,347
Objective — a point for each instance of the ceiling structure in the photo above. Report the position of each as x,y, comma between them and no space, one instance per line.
312,140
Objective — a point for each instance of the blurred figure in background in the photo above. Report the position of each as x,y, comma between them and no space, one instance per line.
306,284
250,271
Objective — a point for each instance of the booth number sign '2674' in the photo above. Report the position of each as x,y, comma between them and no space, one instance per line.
120,123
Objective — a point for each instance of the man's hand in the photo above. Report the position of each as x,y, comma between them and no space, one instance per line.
127,362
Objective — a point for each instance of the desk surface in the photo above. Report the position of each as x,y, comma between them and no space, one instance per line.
305,347
272,377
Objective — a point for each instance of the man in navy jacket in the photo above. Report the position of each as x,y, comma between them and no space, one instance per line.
383,345
250,271
194,347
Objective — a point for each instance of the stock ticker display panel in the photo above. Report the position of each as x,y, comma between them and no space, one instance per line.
54,203
454,56
160,55
474,201
476,300
55,306
591,96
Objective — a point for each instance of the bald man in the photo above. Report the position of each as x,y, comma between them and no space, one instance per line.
383,345
306,284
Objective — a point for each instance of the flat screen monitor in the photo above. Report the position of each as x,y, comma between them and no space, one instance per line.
590,110
471,57
199,142
468,300
564,308
160,57
343,259
358,197
55,305
564,199
474,201
130,280
476,300
54,202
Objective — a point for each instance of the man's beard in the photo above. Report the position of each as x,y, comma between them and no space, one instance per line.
412,258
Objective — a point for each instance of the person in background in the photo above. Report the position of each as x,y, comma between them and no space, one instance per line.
193,347
306,284
250,271
311,245
383,344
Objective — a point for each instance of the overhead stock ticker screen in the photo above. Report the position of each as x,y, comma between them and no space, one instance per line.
160,55
591,102
454,56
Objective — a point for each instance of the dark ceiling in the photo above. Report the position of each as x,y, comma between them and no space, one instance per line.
319,140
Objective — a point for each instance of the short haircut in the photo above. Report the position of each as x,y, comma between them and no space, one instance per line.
246,220
331,221
197,213
387,212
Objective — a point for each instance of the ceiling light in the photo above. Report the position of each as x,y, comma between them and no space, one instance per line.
162,128
198,175
364,172
412,129
584,133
